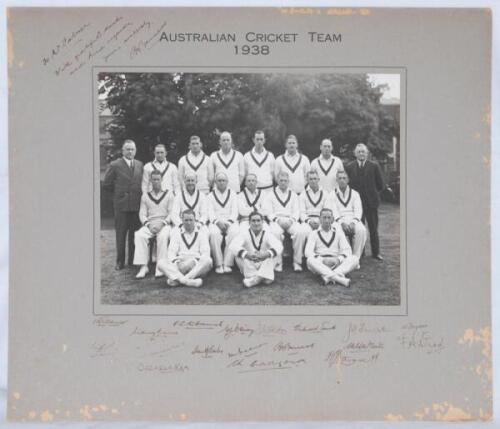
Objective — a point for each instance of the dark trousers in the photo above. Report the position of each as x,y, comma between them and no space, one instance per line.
125,222
371,216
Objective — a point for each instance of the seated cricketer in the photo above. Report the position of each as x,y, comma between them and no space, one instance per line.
250,199
283,210
190,198
312,200
349,213
223,218
328,252
255,251
154,214
188,257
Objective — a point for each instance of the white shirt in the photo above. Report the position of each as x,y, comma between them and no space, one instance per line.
182,244
231,164
222,206
249,202
128,161
348,205
156,206
246,241
296,166
201,166
327,171
169,176
311,203
195,201
282,204
262,165
328,243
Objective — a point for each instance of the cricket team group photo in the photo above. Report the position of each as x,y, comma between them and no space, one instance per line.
289,222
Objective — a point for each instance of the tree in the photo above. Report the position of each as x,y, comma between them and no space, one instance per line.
170,107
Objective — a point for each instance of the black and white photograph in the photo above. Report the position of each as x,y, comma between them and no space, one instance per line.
249,188
194,216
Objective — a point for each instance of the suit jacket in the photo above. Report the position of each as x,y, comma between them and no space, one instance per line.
367,181
125,184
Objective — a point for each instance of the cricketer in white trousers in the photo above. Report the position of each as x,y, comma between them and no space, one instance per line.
142,237
246,242
298,234
222,207
350,210
283,206
188,255
155,210
322,245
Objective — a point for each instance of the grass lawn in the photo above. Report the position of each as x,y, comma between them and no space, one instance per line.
376,283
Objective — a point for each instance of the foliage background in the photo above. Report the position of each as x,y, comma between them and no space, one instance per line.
168,108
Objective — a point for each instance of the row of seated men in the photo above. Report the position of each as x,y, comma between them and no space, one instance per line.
195,231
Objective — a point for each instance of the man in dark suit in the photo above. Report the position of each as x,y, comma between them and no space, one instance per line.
123,179
365,177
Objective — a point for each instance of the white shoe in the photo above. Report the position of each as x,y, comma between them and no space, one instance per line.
228,269
142,272
297,268
193,282
158,273
171,282
251,281
358,267
278,268
219,270
341,279
327,280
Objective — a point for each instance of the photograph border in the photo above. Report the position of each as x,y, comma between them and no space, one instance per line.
99,309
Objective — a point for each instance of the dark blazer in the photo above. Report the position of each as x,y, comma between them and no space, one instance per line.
125,184
367,181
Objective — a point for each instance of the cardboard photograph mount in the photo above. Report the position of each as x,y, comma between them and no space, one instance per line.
409,339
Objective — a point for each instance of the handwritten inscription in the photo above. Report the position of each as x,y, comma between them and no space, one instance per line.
197,324
89,42
246,347
419,337
364,329
238,329
316,328
153,334
345,358
207,351
163,368
103,349
66,42
104,322
256,365
291,348
246,351
161,353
